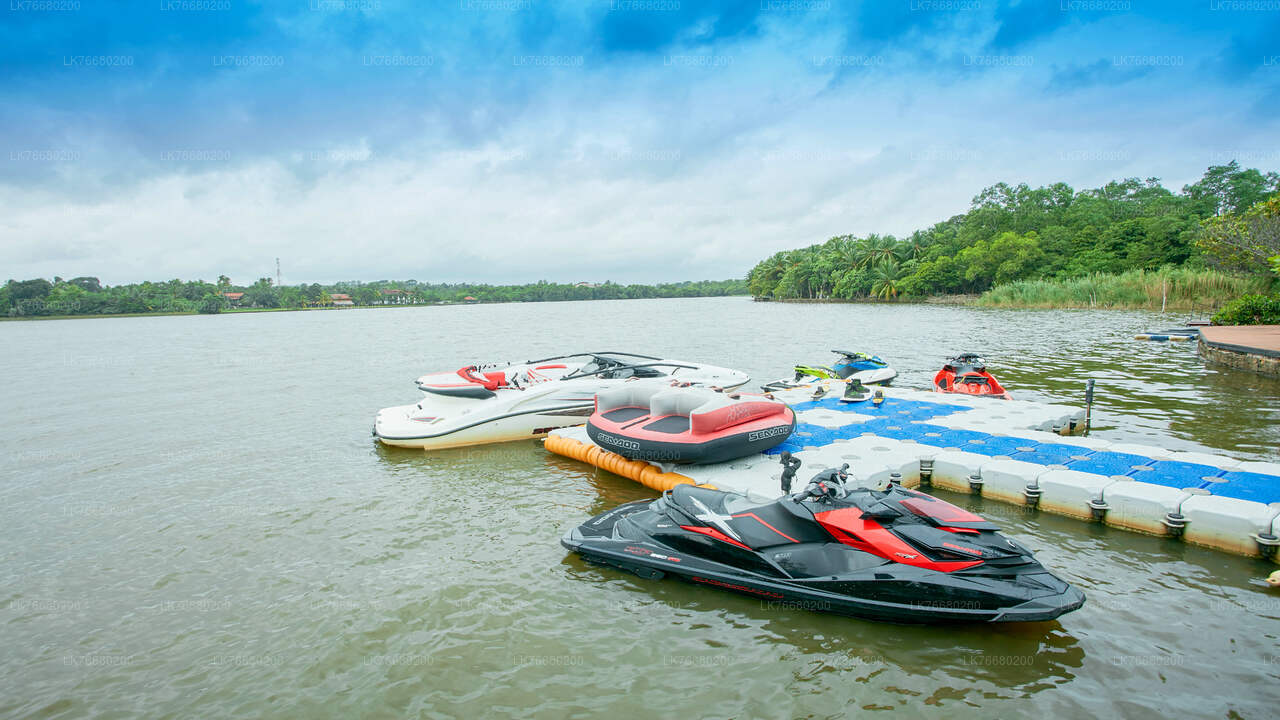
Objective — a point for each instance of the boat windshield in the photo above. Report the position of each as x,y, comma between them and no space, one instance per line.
613,368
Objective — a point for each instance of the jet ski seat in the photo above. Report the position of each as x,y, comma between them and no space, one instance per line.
755,524
684,495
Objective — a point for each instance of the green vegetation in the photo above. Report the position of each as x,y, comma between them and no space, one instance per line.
1164,289
86,296
1250,310
1245,242
1111,246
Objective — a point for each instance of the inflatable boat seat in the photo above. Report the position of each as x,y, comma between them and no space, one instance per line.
723,412
625,403
682,401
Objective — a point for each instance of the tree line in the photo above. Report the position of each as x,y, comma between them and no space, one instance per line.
87,296
1017,233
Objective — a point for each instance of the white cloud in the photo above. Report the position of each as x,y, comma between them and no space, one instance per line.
589,183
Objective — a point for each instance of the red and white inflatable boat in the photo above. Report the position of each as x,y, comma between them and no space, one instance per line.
687,425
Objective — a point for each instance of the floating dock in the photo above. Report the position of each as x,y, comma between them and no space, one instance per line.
1247,347
1008,450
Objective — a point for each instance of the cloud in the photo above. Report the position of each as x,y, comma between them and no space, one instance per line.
540,141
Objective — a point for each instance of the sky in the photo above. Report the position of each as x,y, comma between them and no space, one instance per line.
509,141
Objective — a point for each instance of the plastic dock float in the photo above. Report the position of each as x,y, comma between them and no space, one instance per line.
1007,450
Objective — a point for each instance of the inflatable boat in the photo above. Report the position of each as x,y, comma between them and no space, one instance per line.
501,402
967,374
687,425
867,369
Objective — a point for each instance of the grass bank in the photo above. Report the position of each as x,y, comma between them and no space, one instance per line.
1177,289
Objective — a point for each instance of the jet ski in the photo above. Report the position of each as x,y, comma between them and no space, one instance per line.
687,424
867,369
967,374
882,553
501,402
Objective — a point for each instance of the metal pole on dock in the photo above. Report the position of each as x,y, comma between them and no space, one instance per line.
1088,404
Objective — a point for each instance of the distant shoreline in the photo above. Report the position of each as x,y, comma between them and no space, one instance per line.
243,311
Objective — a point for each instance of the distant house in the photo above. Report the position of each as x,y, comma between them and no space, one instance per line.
394,296
468,299
586,285
233,298
341,300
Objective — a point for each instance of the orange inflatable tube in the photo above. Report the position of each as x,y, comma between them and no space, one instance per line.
638,470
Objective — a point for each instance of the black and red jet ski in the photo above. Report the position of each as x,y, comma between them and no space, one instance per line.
887,553
967,374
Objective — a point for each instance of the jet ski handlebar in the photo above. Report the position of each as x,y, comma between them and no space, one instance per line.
826,486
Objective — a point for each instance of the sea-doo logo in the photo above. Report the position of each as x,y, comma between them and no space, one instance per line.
768,433
618,442
906,556
962,548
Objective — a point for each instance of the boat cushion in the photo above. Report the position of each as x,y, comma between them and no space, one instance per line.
629,395
681,401
714,416
489,380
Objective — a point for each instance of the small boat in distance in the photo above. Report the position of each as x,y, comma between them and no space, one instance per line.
967,374
501,402
867,369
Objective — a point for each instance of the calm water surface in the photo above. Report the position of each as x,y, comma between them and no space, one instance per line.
195,522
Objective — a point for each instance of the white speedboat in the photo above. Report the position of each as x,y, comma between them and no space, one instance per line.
500,402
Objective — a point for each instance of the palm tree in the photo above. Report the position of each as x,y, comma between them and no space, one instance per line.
875,248
911,248
887,274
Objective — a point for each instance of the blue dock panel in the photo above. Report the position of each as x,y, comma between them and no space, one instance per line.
1109,463
1247,486
1174,474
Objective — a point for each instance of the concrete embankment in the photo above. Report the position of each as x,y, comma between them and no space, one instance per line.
1244,347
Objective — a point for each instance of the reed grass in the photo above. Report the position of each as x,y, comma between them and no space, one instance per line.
1179,289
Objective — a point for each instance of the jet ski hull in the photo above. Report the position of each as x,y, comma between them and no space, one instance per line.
877,376
862,587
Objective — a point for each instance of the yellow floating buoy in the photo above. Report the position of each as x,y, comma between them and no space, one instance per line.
638,470
1274,579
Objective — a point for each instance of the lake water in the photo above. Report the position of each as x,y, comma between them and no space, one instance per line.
195,522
